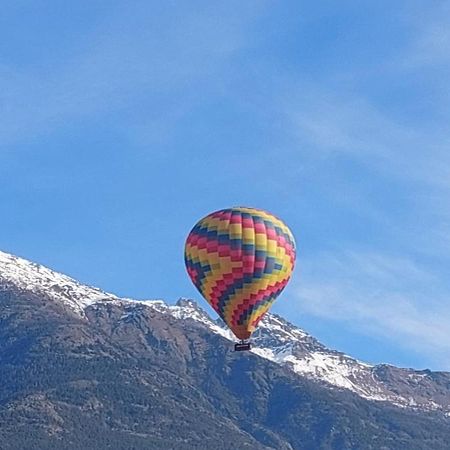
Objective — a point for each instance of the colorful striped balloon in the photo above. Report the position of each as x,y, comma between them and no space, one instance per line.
240,259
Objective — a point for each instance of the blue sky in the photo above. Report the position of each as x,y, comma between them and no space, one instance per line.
123,123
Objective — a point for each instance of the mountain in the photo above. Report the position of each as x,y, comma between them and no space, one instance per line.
81,368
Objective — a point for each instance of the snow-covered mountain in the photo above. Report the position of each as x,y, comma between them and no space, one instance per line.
276,339
27,276
283,343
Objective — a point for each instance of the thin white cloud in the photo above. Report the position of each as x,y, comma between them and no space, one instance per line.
431,41
352,125
382,295
403,299
132,57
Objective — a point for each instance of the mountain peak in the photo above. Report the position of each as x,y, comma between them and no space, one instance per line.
184,302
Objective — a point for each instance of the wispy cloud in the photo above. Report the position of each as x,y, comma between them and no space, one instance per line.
382,295
132,58
402,181
354,126
431,41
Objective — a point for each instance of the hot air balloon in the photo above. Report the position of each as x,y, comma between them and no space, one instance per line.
240,259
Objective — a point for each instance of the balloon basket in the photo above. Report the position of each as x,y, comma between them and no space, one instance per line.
242,346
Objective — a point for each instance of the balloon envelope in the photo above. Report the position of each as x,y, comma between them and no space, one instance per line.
240,259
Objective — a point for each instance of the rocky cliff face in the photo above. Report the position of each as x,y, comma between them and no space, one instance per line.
81,368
